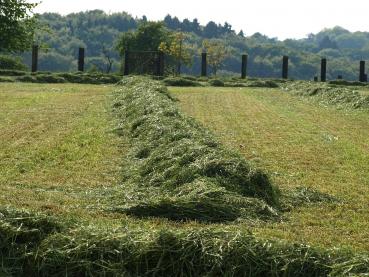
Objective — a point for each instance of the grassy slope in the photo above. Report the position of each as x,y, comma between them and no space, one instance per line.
56,149
298,143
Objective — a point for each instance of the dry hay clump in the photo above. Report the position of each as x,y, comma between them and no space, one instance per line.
177,170
329,94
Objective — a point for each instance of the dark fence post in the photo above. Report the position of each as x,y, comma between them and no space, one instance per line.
339,77
323,70
160,64
285,67
362,71
244,67
315,78
81,59
126,63
34,58
203,65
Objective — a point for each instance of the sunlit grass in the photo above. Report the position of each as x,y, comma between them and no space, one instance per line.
57,148
298,144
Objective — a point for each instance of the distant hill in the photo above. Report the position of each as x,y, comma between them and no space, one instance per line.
98,31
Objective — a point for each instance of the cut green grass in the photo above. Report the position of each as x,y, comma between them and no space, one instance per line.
299,144
70,162
56,147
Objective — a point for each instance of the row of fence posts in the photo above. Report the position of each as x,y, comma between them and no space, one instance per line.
363,77
81,58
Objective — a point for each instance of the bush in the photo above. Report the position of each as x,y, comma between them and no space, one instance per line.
180,82
216,83
11,63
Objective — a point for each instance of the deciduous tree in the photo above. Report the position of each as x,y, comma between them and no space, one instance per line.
17,25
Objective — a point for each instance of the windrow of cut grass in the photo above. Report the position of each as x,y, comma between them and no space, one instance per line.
55,78
33,244
177,170
333,93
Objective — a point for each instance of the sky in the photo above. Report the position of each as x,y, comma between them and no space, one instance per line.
274,18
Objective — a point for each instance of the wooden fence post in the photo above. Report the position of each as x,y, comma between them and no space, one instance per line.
126,63
203,65
315,78
285,67
362,71
34,58
81,59
244,67
323,70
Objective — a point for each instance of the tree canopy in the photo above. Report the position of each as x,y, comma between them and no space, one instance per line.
17,25
95,30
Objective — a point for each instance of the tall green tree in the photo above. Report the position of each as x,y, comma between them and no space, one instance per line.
17,25
179,50
147,37
217,53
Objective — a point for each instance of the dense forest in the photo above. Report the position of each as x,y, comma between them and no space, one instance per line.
60,37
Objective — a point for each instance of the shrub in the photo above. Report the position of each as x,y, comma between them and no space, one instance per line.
11,63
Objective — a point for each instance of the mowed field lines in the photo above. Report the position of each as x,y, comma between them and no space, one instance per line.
299,144
56,147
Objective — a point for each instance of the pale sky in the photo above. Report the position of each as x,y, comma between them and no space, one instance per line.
275,18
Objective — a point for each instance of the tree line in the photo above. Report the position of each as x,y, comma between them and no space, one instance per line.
103,34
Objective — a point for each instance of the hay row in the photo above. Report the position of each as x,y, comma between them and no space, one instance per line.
177,170
36,245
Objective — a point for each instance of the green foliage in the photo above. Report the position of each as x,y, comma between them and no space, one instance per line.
11,63
96,29
217,52
147,37
17,25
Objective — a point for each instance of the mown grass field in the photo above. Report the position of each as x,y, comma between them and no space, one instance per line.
299,144
62,155
56,147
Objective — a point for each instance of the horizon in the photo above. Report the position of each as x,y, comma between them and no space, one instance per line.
306,17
